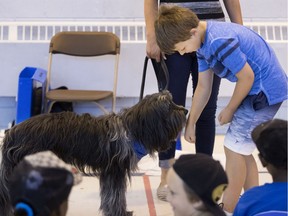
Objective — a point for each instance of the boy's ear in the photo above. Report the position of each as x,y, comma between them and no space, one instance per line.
193,31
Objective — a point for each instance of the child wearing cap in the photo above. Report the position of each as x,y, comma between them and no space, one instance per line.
196,183
40,190
271,141
240,55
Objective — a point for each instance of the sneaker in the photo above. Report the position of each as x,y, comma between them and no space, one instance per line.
162,192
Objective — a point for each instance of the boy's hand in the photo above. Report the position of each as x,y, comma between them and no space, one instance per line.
225,116
190,133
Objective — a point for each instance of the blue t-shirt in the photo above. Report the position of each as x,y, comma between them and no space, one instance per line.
266,198
226,49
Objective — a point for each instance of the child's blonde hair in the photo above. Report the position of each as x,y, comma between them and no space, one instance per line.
173,25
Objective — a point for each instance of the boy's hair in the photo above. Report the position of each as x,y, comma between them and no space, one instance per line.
270,138
173,25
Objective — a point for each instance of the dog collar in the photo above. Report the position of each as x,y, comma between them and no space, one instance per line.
140,150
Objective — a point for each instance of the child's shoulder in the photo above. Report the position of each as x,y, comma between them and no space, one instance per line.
226,29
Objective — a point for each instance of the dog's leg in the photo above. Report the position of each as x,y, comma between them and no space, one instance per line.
113,185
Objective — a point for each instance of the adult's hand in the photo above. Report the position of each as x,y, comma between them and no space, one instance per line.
153,50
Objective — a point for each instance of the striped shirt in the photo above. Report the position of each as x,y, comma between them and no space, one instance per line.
204,9
227,48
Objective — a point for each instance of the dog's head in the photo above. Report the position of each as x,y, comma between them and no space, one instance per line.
155,121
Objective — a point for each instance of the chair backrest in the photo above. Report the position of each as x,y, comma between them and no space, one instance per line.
85,43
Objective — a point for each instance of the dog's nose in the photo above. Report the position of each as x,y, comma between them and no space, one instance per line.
185,111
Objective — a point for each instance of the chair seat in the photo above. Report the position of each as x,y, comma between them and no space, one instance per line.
77,95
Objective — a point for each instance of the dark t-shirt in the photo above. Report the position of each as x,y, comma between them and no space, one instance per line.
205,9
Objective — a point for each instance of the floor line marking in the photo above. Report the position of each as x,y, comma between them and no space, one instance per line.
149,196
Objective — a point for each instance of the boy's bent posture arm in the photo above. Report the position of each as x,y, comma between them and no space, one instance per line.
243,86
200,99
202,93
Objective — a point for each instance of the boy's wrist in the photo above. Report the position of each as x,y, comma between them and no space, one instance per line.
231,108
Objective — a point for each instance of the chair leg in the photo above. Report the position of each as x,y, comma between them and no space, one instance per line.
102,108
48,106
113,104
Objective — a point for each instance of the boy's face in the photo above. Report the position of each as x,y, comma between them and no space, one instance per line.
190,45
177,196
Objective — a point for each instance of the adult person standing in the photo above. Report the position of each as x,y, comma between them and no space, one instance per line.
181,68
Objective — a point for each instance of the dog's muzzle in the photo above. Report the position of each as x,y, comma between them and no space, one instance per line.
179,107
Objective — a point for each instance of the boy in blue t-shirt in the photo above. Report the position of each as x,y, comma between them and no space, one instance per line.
240,55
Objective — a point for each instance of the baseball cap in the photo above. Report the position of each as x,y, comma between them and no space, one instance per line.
39,190
205,176
270,138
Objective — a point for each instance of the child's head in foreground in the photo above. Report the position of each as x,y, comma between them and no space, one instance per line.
196,183
270,138
173,25
40,191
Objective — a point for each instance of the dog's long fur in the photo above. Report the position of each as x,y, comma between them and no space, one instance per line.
103,145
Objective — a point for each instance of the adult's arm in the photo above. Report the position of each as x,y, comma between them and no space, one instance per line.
233,9
150,13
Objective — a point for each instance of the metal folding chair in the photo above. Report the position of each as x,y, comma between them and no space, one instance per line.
83,44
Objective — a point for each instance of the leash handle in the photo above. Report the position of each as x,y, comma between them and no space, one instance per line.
161,72
143,78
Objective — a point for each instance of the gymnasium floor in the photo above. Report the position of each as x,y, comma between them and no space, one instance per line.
141,195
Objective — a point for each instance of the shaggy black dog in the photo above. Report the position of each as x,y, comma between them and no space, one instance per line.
107,146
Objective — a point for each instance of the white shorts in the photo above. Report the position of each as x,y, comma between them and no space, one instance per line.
253,111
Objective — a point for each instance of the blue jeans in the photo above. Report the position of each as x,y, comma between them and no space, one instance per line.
180,69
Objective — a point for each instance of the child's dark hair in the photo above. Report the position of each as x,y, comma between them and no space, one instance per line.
37,190
173,25
271,141
20,212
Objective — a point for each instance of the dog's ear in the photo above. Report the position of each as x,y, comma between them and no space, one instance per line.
165,93
164,99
